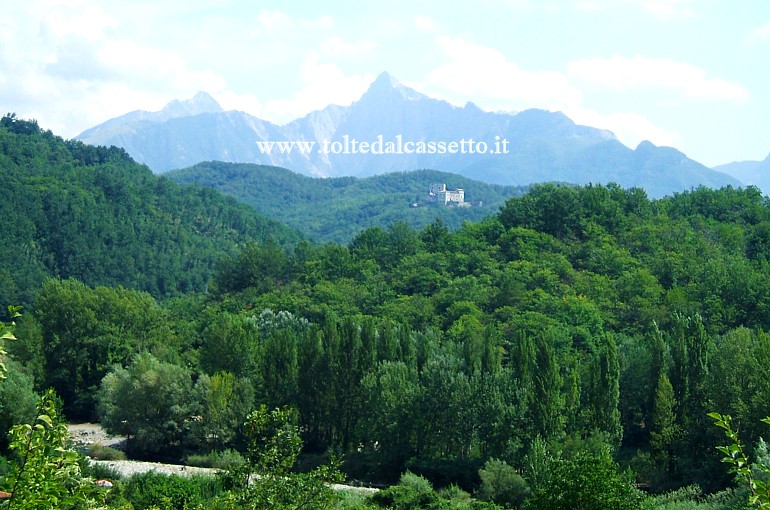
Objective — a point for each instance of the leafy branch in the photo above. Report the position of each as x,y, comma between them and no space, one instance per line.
6,333
735,455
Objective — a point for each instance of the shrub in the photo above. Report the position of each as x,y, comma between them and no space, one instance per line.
17,401
412,491
100,452
502,484
227,459
148,490
99,471
589,481
447,471
149,402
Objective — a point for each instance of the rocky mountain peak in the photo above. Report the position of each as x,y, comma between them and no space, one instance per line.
201,102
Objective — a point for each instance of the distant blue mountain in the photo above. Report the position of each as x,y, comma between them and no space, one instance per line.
541,145
756,173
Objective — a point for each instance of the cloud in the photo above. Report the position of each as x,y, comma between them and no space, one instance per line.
588,6
629,128
425,24
336,46
75,63
485,75
761,33
68,66
89,23
663,10
274,20
278,20
248,102
626,74
667,9
323,84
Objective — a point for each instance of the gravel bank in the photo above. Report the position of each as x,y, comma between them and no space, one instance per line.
92,433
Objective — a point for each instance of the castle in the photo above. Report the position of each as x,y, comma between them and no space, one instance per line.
439,193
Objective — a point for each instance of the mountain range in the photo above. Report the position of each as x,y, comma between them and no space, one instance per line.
756,173
532,145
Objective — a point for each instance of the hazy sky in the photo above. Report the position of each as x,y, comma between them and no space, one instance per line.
693,74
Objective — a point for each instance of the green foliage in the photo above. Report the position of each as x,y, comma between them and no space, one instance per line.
86,331
274,441
46,473
18,401
604,391
101,452
754,475
337,209
664,428
266,480
150,402
92,213
220,402
538,463
28,349
502,484
6,333
230,345
171,492
692,498
562,317
588,481
412,491
226,459
415,492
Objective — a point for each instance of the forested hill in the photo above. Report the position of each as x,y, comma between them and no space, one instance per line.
336,209
74,210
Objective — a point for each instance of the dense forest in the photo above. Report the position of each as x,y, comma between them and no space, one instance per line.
337,209
562,352
92,213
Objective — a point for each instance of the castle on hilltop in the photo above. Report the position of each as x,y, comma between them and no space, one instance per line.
439,193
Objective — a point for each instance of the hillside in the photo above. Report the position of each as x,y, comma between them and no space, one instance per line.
756,173
336,209
576,321
92,213
519,149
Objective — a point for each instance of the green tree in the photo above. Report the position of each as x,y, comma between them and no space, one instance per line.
664,431
47,473
388,428
86,331
273,444
262,266
444,409
604,391
502,484
589,481
28,350
537,463
149,402
17,400
221,403
548,399
230,344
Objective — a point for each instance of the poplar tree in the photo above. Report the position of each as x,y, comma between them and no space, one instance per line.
663,428
548,401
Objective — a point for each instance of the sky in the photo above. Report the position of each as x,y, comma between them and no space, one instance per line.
691,74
